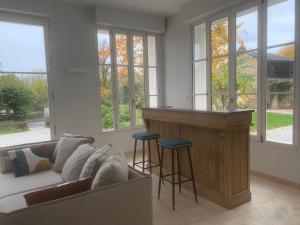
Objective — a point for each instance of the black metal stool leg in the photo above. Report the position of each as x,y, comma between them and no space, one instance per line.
143,156
159,159
149,157
134,153
173,180
192,173
160,170
178,168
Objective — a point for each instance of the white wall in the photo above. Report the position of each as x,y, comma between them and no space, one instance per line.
129,19
273,160
72,44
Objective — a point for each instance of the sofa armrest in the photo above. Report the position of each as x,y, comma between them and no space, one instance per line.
118,204
46,148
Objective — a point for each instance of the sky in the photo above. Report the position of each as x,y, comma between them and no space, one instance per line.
280,24
22,46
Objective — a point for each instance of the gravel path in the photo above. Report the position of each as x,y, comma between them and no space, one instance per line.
282,134
37,133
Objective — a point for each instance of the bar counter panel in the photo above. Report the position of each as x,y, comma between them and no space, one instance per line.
220,151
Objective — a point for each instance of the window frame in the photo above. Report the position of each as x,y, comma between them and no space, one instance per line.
115,96
35,20
231,14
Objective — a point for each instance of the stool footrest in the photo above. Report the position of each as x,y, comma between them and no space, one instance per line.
146,167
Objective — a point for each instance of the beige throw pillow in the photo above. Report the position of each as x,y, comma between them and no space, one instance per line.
95,161
74,164
65,147
5,165
113,170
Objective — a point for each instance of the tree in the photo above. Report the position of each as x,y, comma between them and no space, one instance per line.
288,52
18,99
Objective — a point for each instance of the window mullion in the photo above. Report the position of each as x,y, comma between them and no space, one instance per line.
131,80
263,7
296,76
146,72
114,80
232,60
208,65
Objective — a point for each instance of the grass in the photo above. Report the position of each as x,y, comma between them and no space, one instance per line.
274,120
10,127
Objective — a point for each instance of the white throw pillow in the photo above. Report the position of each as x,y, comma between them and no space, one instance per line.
95,161
65,147
74,164
113,170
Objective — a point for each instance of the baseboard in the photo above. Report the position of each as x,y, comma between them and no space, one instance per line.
275,179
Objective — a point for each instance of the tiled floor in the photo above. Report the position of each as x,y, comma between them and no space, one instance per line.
271,204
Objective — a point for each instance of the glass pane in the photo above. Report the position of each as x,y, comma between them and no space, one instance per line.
279,118
24,109
138,51
200,102
151,51
105,81
103,38
200,42
220,102
246,29
123,81
124,112
152,81
248,101
220,75
107,116
281,22
139,93
153,101
246,73
124,96
22,48
281,69
219,37
121,49
200,77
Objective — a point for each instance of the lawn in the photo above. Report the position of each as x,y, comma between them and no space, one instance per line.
274,120
10,127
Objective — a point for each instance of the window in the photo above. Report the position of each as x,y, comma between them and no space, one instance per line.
128,79
24,108
280,71
246,62
251,66
199,67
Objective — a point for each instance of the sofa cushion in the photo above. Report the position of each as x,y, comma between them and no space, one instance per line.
65,147
94,162
26,161
12,203
5,165
11,185
113,170
58,191
74,164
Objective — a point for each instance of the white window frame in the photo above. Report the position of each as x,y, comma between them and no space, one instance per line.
231,13
115,95
11,17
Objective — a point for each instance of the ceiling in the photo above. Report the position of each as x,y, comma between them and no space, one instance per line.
155,7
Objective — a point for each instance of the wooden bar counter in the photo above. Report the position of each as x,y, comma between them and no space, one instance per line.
220,151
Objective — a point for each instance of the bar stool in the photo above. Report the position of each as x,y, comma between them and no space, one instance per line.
146,136
177,145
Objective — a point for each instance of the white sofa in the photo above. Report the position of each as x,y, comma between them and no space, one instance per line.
126,203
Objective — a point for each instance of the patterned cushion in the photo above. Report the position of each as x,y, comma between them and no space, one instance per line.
5,165
27,161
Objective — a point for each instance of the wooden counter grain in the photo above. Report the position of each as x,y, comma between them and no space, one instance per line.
220,151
